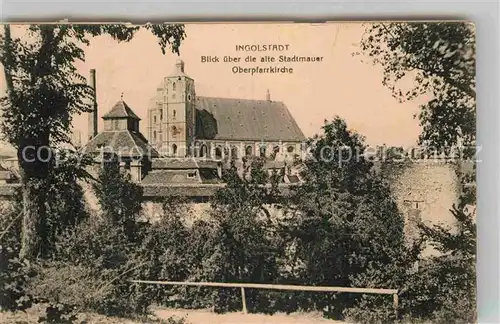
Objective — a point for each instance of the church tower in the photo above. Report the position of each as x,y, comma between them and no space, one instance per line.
171,115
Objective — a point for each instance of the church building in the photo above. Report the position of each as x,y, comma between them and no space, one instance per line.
191,138
180,123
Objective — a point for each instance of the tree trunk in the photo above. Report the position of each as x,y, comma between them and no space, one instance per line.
33,227
34,173
33,167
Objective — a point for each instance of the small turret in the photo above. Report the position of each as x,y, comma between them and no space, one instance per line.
179,64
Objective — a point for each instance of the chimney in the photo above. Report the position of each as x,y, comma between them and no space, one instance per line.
268,95
93,113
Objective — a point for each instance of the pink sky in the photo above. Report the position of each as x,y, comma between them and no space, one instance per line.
341,85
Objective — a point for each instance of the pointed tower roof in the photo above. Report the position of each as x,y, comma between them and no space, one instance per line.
179,69
120,110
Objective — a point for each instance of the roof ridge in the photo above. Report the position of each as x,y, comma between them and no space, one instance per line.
129,110
243,99
142,138
132,138
120,110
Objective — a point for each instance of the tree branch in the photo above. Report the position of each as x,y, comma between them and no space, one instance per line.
8,60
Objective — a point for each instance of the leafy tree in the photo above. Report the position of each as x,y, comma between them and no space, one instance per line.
44,91
14,273
440,59
65,196
65,210
445,286
348,228
165,251
89,270
100,253
120,198
238,247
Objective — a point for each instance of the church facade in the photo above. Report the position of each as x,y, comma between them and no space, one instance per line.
180,124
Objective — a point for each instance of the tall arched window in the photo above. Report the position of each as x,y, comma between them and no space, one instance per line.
218,152
234,152
248,150
263,151
276,150
174,149
173,86
174,113
154,135
203,150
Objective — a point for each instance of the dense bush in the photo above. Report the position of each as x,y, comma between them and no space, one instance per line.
15,274
236,245
94,260
340,228
90,270
58,313
347,228
65,208
165,253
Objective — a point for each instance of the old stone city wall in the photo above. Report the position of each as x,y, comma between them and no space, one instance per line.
429,188
423,191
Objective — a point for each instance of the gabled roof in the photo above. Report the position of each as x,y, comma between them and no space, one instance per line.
174,163
244,119
163,177
120,110
183,163
122,143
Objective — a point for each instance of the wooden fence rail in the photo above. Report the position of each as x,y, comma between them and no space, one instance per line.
242,286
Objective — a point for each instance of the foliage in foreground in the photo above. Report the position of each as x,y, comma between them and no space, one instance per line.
440,59
94,259
44,91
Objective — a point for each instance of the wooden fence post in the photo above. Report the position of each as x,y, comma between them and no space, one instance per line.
396,304
243,300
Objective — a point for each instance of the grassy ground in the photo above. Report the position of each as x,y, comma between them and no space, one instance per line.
208,317
161,315
30,316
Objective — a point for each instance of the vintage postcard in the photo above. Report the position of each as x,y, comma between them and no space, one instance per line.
238,172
